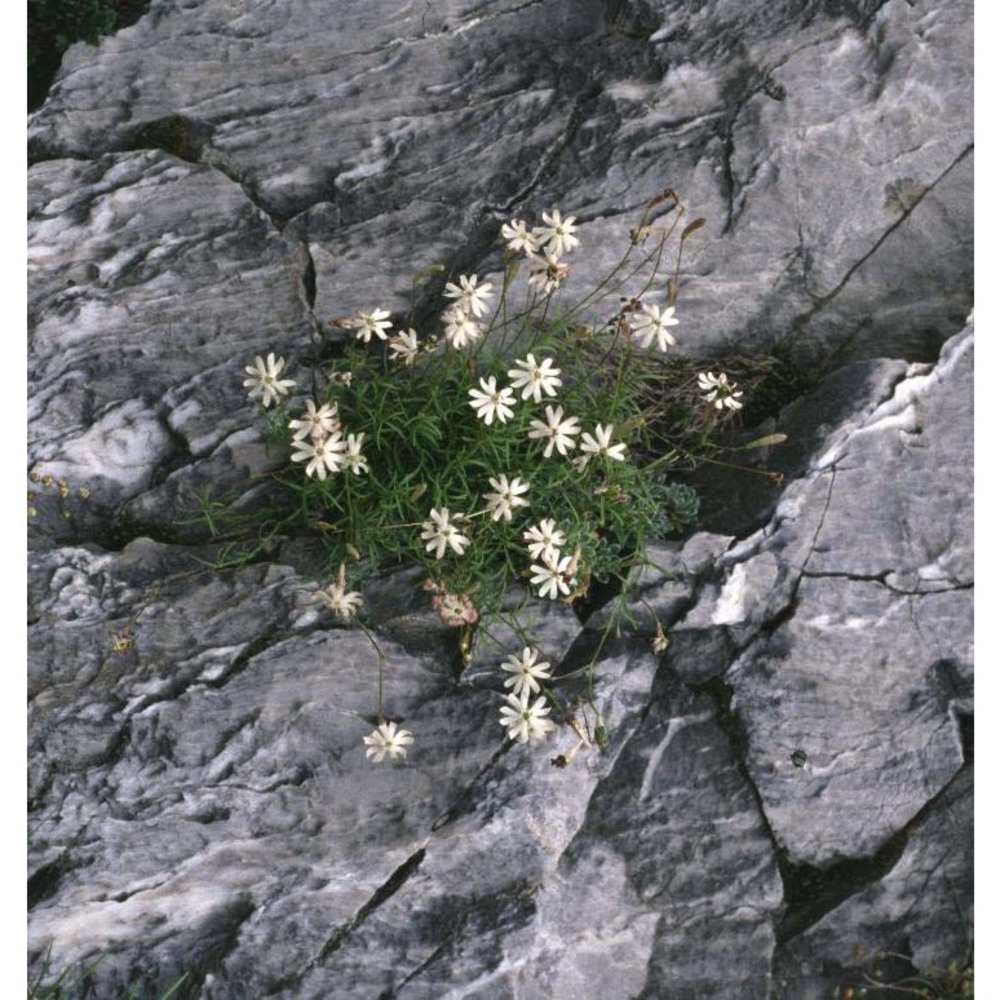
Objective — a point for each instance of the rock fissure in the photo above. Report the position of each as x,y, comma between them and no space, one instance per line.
821,301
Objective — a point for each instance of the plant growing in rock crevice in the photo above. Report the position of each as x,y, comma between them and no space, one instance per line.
518,445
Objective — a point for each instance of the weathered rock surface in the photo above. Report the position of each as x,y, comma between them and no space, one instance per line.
787,790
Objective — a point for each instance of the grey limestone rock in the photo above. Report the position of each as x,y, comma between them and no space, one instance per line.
786,788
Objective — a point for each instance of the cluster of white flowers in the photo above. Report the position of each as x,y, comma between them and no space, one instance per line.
719,391
543,246
523,717
321,443
403,346
470,303
554,573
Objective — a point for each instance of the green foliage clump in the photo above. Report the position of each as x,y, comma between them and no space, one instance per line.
54,25
524,450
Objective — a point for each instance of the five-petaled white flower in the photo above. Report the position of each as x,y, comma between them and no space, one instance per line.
721,392
440,533
387,741
352,458
544,539
323,454
492,402
265,379
460,329
338,599
524,721
557,235
533,378
517,236
600,444
546,273
374,322
472,296
404,346
553,575
506,498
651,324
525,671
557,431
315,423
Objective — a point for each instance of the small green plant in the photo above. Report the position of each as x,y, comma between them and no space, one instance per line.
54,25
522,446
954,983
76,982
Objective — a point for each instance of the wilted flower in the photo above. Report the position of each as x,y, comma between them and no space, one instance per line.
338,599
455,609
546,273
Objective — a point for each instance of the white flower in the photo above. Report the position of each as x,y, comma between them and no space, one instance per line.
525,671
404,346
556,430
492,402
506,498
551,575
517,236
315,423
460,329
440,533
600,444
373,322
526,722
557,236
326,454
472,296
652,324
340,378
534,378
387,741
544,539
265,380
338,599
547,273
353,459
721,392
